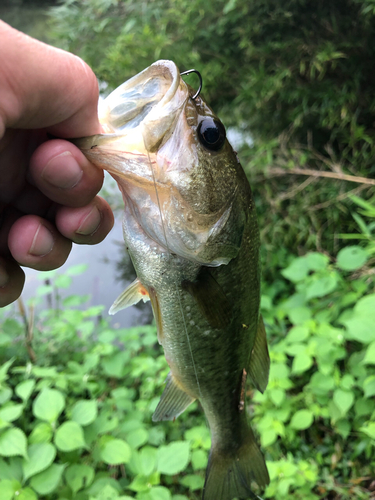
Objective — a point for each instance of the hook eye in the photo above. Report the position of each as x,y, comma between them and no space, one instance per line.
200,81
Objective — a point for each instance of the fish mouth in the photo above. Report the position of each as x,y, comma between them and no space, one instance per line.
141,99
137,118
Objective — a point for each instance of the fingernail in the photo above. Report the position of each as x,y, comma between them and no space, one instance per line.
90,223
42,243
62,171
4,277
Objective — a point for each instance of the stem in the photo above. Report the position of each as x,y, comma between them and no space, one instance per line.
319,173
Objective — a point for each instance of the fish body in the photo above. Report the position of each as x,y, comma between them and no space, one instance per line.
190,228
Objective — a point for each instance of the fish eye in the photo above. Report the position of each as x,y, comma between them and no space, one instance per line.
211,133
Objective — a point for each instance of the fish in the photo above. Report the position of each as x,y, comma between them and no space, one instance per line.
191,230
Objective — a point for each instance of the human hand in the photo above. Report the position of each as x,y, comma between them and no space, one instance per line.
47,187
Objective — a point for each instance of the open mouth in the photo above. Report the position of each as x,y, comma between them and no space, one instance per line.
142,99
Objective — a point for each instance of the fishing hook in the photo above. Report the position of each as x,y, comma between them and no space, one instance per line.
200,81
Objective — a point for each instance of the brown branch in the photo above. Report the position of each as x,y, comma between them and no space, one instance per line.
340,197
29,327
319,173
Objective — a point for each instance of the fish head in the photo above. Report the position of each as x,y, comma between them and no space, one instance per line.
178,174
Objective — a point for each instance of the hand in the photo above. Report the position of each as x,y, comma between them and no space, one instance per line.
47,187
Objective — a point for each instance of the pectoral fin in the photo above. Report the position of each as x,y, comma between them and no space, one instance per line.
260,361
132,295
210,298
173,401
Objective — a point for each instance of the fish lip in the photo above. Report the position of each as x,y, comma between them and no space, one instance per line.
162,70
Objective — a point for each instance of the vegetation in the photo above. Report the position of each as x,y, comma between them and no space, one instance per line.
76,396
294,75
295,78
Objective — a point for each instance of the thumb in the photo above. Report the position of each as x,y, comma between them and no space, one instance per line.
45,87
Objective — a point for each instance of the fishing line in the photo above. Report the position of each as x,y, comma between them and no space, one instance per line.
171,257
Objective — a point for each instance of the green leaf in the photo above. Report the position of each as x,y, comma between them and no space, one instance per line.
24,389
42,433
13,442
322,286
69,436
297,270
192,482
76,270
48,404
113,366
321,384
47,481
316,261
173,458
277,396
27,494
8,487
62,281
199,459
297,334
115,452
40,457
11,412
140,483
366,305
199,436
137,438
369,429
360,328
159,493
79,476
147,460
299,315
99,484
369,386
302,419
351,258
364,406
302,362
268,437
343,400
4,369
5,395
85,412
369,358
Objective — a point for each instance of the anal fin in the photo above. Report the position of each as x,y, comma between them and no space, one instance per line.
260,360
132,295
173,401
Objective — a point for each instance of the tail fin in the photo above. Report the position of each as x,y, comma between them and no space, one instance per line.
229,476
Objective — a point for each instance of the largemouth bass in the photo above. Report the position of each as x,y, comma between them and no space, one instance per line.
190,228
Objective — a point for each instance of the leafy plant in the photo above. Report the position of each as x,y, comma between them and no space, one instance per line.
75,409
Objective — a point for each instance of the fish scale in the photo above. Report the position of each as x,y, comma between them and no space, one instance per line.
191,231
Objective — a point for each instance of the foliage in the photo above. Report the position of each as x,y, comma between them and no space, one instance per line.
76,397
295,75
